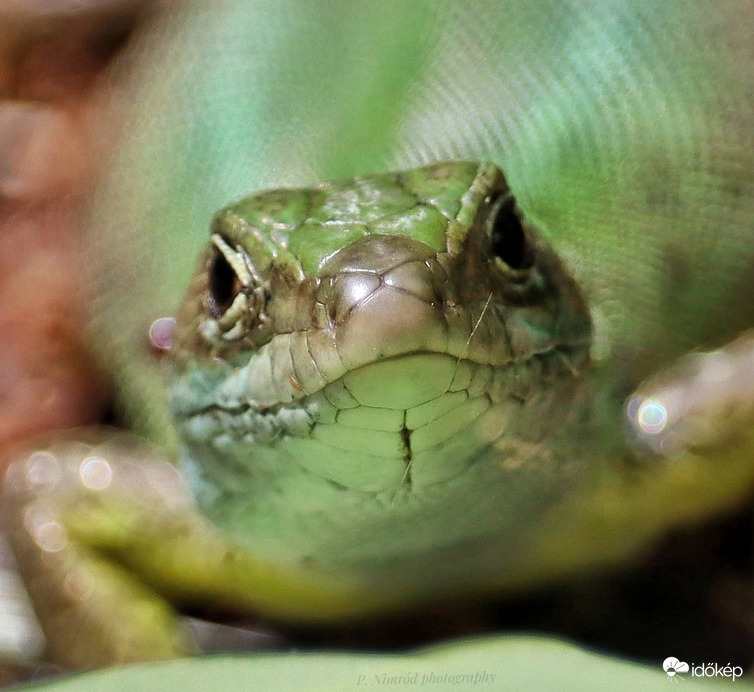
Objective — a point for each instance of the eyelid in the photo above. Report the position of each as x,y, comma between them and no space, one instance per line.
235,258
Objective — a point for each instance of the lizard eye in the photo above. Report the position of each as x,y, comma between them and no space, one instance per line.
510,243
224,284
235,296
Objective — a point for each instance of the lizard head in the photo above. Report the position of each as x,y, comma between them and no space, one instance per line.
357,359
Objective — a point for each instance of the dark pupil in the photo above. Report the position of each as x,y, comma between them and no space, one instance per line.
509,240
223,284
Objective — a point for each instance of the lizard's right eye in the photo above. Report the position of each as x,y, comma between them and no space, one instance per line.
223,283
235,297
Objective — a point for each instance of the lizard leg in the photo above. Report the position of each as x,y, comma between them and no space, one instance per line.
68,508
107,538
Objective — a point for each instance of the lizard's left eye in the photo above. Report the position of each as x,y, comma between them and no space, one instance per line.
224,284
510,242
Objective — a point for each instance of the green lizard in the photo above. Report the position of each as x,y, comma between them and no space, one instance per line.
584,498
383,396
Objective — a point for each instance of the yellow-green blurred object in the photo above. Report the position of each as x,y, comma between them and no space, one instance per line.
502,663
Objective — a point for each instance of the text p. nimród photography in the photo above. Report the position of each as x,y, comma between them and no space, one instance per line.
427,679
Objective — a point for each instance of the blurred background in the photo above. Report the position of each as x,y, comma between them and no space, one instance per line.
626,130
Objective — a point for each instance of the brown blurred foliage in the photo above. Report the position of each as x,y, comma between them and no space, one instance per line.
55,60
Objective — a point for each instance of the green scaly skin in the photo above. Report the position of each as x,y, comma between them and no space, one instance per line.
384,397
378,367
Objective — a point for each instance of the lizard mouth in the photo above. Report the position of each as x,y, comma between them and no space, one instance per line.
375,408
422,448
418,418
